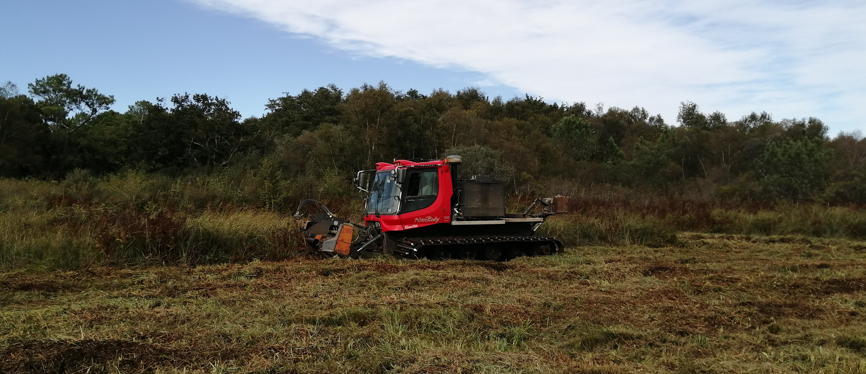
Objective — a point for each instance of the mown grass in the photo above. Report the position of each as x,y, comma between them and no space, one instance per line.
710,304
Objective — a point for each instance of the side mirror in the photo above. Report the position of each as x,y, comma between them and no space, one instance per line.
400,175
364,180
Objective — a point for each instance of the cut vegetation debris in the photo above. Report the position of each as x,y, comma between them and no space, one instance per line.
710,304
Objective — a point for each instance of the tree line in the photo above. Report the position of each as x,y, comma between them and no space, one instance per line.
328,134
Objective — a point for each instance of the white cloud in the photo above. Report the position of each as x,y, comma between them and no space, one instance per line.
789,58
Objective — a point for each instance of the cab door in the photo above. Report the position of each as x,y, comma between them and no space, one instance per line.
420,190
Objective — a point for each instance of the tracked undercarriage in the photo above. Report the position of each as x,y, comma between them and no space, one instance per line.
352,240
493,248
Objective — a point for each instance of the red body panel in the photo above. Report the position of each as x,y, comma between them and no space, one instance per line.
438,212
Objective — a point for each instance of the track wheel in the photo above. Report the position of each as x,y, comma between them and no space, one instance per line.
465,253
513,251
439,254
493,252
543,250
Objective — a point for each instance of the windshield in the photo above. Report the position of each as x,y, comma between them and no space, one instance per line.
385,195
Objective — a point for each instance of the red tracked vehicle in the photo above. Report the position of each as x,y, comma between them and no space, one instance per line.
429,209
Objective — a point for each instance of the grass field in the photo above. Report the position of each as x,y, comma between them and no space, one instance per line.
709,304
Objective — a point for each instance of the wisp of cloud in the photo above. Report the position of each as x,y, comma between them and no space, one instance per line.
792,59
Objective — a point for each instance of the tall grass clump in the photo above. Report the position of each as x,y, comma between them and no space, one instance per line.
808,220
166,236
24,196
28,240
241,235
616,229
136,218
29,233
76,237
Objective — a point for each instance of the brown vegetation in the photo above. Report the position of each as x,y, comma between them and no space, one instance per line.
709,304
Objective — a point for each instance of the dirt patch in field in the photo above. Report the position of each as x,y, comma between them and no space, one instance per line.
495,266
354,267
161,337
609,308
849,285
385,268
393,268
676,312
766,310
497,314
782,239
560,275
212,289
44,286
109,356
719,279
447,265
85,356
666,271
827,287
801,268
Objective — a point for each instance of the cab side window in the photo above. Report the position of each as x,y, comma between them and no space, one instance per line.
422,187
424,183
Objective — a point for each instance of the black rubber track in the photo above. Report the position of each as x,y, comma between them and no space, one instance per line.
489,247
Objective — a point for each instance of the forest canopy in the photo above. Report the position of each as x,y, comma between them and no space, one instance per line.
326,134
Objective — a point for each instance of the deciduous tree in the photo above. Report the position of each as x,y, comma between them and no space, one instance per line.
795,169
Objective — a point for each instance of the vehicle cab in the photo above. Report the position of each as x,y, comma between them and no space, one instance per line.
408,194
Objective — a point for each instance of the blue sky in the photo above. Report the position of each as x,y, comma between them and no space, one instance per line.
140,50
793,59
